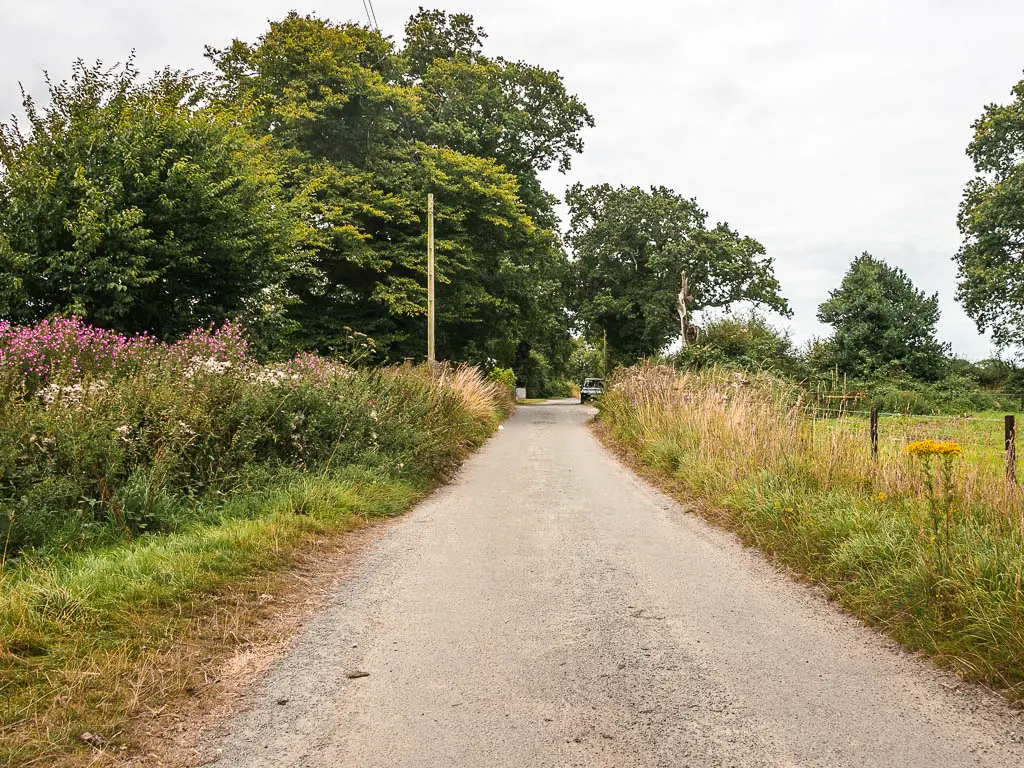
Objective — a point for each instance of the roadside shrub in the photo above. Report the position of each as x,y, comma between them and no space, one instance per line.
104,437
952,395
585,362
746,341
504,376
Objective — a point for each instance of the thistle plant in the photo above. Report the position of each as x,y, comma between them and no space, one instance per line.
937,462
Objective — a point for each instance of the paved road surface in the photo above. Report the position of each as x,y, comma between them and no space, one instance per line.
548,609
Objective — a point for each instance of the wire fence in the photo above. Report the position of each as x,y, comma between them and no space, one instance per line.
984,439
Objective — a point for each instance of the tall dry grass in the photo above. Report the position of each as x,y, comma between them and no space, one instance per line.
748,449
757,422
478,396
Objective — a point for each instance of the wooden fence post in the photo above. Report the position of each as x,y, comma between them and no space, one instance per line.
1010,442
874,433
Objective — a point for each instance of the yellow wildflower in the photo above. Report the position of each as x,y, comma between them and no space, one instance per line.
934,448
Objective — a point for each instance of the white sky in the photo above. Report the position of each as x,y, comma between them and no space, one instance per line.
821,127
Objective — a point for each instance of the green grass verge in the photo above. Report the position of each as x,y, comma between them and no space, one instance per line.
93,638
871,551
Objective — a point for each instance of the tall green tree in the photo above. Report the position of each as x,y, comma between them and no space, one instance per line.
123,202
364,140
991,220
630,246
518,113
883,323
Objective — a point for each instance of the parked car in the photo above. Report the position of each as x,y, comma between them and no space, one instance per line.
591,388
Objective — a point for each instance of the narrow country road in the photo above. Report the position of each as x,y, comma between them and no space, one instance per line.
549,609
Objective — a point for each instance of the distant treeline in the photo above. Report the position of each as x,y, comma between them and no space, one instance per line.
287,188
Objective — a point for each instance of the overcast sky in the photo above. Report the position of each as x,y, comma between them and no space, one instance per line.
822,128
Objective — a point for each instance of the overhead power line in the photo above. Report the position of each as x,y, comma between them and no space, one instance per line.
371,14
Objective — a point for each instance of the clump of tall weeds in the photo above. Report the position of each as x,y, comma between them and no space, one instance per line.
105,437
937,458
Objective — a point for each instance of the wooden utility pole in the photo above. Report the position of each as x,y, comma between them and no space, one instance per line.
430,278
1010,444
874,433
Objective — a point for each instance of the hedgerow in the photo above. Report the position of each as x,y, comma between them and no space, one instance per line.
105,437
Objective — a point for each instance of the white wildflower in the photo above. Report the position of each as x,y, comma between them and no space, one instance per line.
272,376
55,393
50,393
210,365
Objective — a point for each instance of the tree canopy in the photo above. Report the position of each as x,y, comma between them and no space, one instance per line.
364,131
991,220
630,246
124,203
289,186
883,323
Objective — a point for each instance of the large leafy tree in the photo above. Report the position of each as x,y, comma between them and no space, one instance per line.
991,260
518,113
364,140
123,202
630,246
883,324
523,116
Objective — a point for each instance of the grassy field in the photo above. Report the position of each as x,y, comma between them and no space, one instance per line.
929,548
981,435
149,493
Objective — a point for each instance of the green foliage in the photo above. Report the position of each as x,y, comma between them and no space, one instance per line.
585,362
290,188
745,341
993,373
124,203
950,395
748,342
504,376
991,260
364,132
515,112
630,247
137,454
883,324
